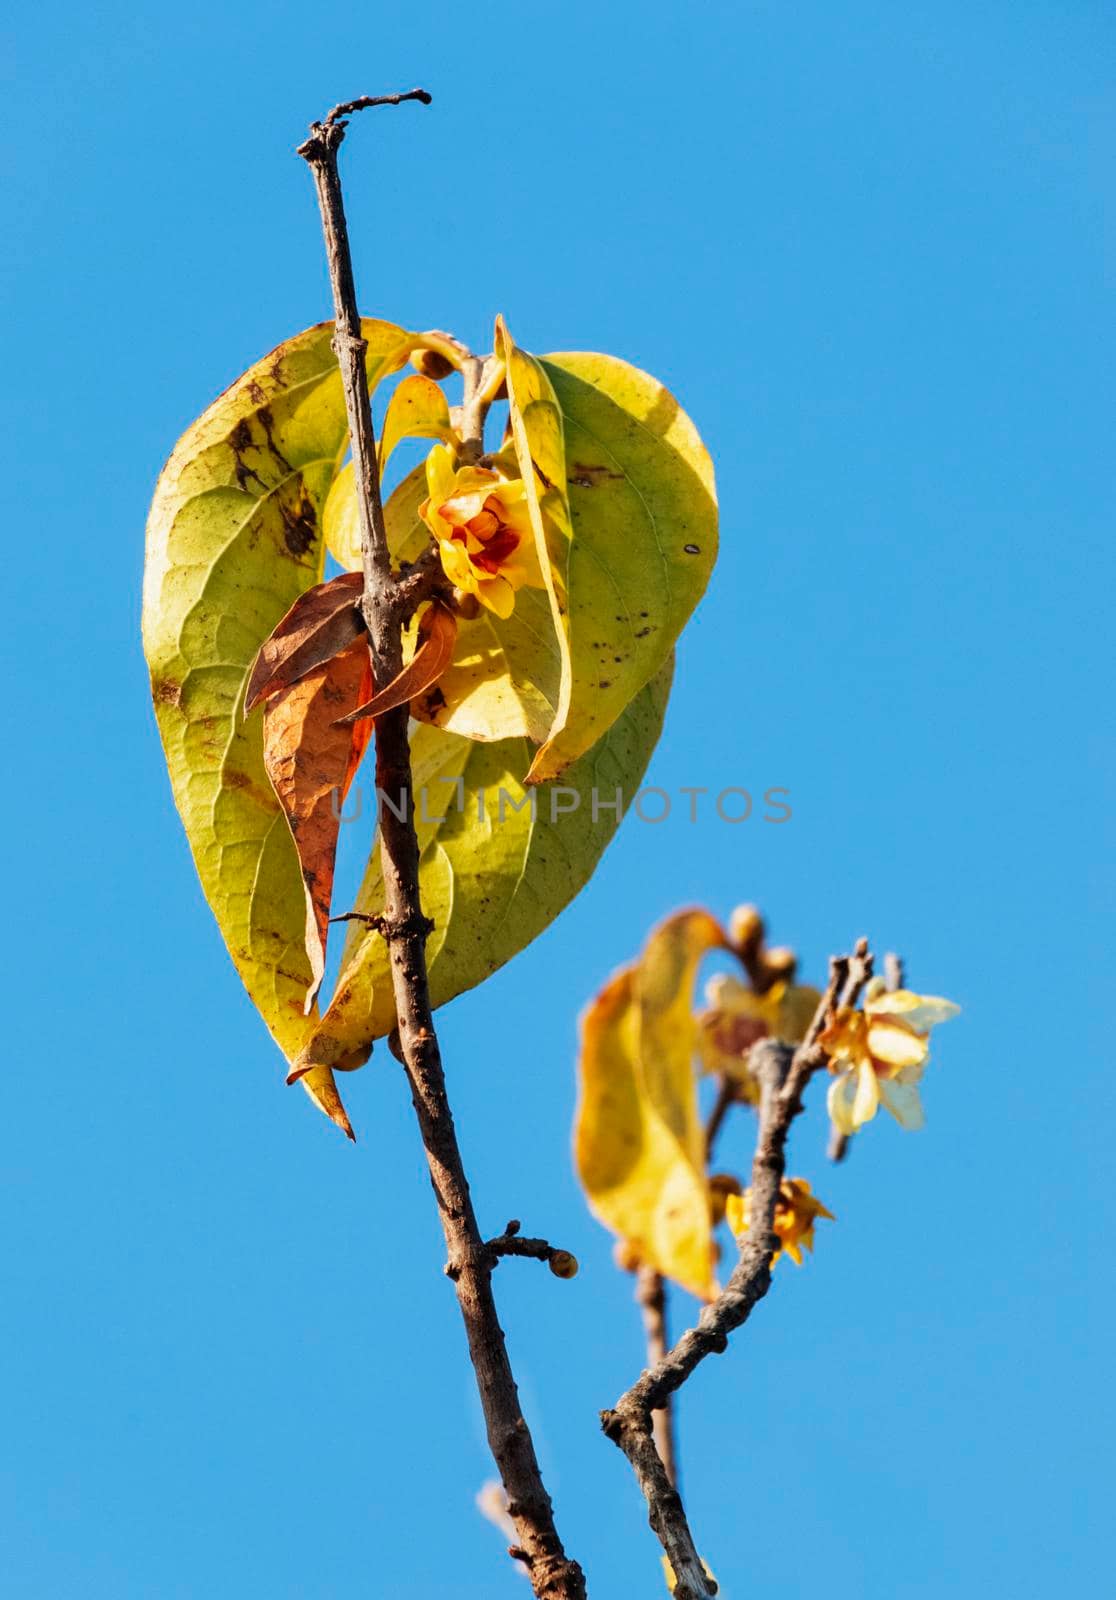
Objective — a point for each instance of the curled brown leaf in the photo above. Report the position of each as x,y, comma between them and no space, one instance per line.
322,622
437,635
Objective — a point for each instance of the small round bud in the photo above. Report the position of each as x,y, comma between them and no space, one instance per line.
431,363
780,963
563,1264
721,1185
626,1256
746,928
467,605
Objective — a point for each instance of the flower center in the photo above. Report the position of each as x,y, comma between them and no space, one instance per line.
496,539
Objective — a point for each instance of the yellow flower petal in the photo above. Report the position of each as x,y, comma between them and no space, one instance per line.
497,594
736,1213
920,1011
440,473
902,1100
457,566
843,1039
893,1043
866,1098
839,1102
725,993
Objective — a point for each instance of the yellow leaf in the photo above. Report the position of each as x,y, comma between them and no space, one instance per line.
407,533
638,1136
625,516
417,410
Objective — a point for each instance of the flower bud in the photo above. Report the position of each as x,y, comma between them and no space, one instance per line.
563,1264
780,963
746,928
626,1256
431,363
721,1185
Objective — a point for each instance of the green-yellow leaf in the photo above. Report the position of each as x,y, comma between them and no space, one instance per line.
492,878
233,538
638,1137
624,500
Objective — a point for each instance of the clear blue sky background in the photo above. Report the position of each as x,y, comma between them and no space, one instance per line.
865,244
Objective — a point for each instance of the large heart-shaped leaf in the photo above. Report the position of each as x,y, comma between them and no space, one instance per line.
626,516
494,872
233,538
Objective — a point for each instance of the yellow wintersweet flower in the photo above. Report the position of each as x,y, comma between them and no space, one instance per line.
796,1211
879,1055
483,528
737,1018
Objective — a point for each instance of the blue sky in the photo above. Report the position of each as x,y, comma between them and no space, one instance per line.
866,246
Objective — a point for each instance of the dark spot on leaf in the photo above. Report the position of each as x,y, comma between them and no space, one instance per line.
605,683
267,423
587,477
256,393
168,692
692,549
300,525
240,440
643,632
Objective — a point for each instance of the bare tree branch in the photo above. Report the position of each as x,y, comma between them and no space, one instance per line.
553,1575
783,1074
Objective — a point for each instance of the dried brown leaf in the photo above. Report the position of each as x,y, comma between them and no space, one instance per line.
437,636
311,760
321,623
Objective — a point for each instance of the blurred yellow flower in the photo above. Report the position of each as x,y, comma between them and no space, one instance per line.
737,1018
796,1211
879,1055
483,528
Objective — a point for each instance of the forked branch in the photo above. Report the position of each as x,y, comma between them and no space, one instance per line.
783,1074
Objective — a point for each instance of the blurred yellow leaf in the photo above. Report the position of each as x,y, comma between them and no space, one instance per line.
638,1137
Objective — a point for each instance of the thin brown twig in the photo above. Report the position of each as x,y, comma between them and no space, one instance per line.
553,1575
783,1076
726,1098
651,1298
513,1243
366,101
